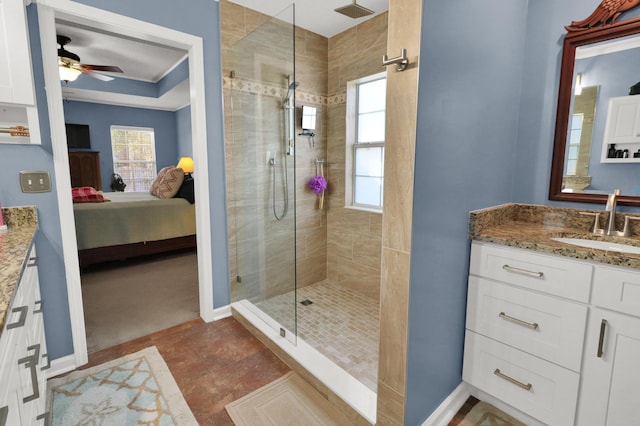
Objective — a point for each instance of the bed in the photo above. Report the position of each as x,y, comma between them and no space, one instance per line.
132,224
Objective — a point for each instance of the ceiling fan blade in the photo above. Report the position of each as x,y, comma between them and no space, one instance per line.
110,68
96,75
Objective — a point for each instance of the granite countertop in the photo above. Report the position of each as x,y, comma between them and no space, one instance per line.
531,227
15,244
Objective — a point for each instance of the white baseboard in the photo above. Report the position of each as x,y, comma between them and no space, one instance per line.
61,366
449,407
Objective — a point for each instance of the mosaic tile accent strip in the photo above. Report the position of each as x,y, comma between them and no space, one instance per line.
342,324
268,89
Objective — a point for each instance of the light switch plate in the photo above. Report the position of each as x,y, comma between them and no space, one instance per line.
35,181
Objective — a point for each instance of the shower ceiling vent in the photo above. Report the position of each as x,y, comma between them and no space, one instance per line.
354,10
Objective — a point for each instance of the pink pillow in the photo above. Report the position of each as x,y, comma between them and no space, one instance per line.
158,180
171,183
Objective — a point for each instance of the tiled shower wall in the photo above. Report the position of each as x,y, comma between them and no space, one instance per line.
354,237
253,131
334,242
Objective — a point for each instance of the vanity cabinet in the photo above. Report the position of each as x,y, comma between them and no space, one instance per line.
23,354
526,319
16,78
612,350
554,337
609,394
622,128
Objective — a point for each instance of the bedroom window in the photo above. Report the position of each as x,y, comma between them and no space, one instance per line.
364,167
134,156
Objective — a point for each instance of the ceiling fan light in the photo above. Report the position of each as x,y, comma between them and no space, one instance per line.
68,74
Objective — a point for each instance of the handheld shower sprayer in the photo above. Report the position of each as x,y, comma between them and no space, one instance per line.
292,87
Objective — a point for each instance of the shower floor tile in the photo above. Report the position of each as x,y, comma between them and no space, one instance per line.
342,324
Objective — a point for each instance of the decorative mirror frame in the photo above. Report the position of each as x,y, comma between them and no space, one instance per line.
578,36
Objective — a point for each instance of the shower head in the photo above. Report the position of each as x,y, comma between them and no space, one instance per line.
293,86
354,10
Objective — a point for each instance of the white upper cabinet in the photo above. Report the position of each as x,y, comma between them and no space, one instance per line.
622,129
16,77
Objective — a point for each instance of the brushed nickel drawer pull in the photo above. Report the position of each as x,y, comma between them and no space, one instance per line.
523,271
37,307
31,362
532,325
603,327
498,373
33,261
22,319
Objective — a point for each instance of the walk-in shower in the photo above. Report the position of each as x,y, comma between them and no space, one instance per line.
278,227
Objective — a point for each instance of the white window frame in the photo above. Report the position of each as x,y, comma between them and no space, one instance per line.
351,144
132,128
571,142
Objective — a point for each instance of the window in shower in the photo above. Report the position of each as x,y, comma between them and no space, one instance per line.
365,123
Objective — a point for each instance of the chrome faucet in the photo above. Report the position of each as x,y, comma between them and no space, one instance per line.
612,200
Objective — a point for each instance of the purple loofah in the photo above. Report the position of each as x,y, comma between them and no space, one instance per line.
318,184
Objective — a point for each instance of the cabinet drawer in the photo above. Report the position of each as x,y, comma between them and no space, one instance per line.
542,325
617,289
549,274
553,392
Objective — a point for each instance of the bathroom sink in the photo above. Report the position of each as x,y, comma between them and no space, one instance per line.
601,245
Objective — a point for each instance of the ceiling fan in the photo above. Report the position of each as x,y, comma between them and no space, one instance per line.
70,67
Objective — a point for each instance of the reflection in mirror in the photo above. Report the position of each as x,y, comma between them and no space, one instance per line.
599,66
612,67
579,140
308,117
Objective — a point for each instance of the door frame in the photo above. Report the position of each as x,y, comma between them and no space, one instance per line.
48,11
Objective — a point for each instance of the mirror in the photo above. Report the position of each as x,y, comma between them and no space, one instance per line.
582,169
308,117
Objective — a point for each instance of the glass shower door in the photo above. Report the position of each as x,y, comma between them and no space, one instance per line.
263,162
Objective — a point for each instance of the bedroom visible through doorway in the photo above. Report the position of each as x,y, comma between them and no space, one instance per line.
50,15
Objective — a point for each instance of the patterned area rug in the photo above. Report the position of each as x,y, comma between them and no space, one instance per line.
137,389
483,414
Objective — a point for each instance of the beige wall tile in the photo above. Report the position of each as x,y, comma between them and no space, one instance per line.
394,301
315,270
390,406
367,250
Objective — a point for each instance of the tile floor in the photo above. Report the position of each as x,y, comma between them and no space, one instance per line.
213,364
341,323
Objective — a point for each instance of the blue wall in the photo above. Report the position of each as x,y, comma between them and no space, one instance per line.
183,127
101,117
486,117
201,18
470,76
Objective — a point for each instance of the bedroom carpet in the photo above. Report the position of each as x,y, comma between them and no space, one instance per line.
127,300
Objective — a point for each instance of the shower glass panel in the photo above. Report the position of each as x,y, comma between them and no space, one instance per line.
263,161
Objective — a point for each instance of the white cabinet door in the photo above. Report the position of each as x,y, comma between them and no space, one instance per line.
16,79
611,373
622,128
